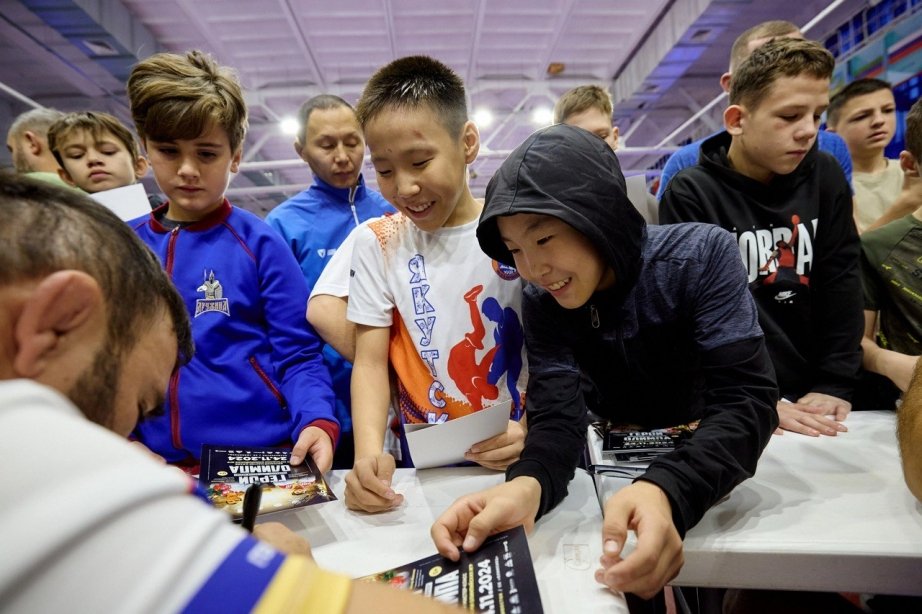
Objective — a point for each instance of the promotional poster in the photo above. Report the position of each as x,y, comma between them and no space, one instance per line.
630,445
227,472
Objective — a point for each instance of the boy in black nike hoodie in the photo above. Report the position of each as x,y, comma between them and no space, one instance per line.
790,208
649,325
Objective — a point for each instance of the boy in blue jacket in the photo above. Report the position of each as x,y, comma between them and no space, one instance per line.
257,378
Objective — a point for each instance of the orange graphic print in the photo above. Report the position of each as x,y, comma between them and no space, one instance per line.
470,376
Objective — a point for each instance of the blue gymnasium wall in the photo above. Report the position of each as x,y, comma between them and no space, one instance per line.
885,50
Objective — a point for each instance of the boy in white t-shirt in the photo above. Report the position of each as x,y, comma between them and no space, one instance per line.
420,283
863,113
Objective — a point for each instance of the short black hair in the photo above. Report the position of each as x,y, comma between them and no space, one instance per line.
414,81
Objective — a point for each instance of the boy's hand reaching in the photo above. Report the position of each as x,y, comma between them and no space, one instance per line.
317,443
368,485
643,508
473,518
501,451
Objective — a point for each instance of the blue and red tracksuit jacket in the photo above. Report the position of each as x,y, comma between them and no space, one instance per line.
257,377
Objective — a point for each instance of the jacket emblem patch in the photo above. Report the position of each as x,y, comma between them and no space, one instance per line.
214,300
504,271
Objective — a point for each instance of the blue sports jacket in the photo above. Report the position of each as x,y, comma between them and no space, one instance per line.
257,377
314,223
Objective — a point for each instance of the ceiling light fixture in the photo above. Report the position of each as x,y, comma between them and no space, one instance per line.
483,118
542,116
289,126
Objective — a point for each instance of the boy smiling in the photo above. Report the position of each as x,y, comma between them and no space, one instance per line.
420,287
638,324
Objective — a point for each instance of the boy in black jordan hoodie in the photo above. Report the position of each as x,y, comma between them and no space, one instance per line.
790,208
650,325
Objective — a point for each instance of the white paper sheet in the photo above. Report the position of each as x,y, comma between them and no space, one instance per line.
437,445
128,202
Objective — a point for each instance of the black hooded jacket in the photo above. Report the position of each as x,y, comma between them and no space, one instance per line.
807,286
675,339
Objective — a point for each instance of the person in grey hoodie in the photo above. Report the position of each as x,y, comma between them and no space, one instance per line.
638,324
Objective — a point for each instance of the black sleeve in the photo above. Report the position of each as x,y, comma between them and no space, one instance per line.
738,420
556,410
835,289
676,206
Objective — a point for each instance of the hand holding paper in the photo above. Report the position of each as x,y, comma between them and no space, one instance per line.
437,445
500,451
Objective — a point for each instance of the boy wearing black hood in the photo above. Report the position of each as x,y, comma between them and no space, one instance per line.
790,208
647,325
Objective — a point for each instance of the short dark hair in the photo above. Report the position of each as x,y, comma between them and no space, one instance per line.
411,82
914,131
856,88
767,29
94,122
320,102
783,57
55,229
175,97
581,98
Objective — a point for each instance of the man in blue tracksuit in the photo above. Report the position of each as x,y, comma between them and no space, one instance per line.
316,221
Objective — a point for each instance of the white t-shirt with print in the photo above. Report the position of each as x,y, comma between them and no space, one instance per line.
455,317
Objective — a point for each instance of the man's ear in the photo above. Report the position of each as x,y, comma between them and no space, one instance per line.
299,148
140,167
725,82
60,315
65,177
470,136
734,119
35,143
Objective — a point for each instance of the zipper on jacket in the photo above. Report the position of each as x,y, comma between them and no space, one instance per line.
594,316
174,410
268,382
170,251
355,215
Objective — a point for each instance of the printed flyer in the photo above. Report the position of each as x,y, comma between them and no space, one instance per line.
497,578
227,472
